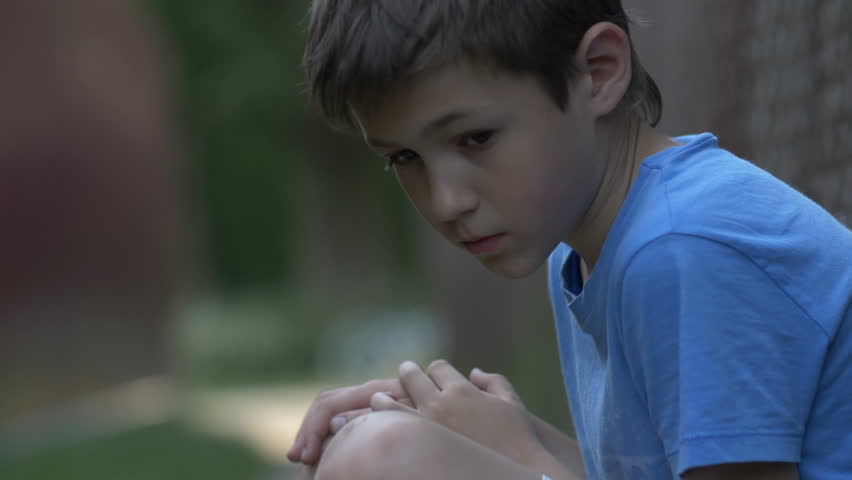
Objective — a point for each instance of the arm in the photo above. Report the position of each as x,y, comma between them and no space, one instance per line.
487,410
567,451
347,403
562,446
726,360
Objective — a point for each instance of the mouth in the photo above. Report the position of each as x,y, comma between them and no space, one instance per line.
482,245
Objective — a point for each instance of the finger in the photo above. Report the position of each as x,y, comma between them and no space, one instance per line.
309,470
336,423
306,472
382,402
419,387
315,426
342,419
328,405
443,374
494,384
313,449
294,454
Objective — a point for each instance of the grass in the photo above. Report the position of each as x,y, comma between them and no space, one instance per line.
162,452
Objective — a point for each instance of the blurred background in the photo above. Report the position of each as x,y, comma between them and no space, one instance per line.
188,255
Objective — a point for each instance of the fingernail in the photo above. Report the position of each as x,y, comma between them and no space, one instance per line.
408,364
380,399
337,423
477,370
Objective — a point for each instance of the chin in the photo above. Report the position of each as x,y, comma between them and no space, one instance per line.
511,267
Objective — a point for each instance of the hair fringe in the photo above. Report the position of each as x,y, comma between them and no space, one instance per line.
357,51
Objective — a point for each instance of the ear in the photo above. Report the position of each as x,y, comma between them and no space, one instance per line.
603,56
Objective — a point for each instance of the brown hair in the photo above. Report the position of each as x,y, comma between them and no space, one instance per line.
358,50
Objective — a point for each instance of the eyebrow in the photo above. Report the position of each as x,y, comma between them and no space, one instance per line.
431,127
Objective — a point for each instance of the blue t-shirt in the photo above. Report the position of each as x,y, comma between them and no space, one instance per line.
715,328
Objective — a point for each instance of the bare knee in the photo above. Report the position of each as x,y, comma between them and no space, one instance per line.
371,446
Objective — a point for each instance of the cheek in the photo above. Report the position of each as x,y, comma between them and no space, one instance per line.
539,179
552,189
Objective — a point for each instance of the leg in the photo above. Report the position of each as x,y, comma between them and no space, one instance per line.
396,445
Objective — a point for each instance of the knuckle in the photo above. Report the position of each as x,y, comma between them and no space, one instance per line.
327,397
326,394
435,407
455,389
439,363
374,385
319,409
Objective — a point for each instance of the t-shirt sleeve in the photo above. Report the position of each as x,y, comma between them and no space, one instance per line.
725,360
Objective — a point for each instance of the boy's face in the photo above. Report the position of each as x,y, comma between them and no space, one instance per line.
490,160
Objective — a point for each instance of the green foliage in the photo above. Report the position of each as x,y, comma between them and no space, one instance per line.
162,452
253,146
247,340
243,115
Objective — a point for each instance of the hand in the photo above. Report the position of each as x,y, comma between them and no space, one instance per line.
331,410
485,409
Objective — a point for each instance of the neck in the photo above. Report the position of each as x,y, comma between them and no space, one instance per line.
622,167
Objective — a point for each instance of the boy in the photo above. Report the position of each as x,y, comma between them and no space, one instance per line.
702,306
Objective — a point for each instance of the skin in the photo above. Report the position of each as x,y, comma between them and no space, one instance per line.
390,444
513,162
483,152
447,419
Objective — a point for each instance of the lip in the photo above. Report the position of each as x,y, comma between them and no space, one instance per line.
482,245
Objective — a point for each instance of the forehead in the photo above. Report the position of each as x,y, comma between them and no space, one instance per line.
446,92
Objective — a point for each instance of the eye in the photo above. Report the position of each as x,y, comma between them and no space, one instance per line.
476,139
400,158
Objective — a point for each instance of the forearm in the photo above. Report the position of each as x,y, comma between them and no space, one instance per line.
560,445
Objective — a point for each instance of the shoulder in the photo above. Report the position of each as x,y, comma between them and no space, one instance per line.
719,351
690,282
708,209
682,259
711,192
684,253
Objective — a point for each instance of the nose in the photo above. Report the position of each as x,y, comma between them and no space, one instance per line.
451,191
